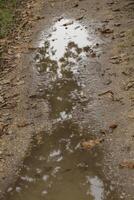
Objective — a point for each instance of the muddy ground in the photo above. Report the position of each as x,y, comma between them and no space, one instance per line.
104,105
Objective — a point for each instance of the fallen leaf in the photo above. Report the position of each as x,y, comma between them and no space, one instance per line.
79,18
127,164
23,124
113,126
110,94
105,30
88,145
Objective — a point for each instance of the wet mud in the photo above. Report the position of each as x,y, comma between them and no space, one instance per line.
77,93
59,168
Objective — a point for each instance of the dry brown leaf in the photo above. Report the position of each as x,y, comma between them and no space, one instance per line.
127,164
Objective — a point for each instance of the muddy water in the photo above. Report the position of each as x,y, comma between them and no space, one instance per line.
59,168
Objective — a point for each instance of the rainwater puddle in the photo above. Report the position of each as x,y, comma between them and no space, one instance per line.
63,32
58,168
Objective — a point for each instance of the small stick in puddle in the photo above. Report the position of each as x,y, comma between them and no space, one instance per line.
107,92
103,93
69,23
90,144
79,18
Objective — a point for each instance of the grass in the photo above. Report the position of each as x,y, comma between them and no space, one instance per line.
7,9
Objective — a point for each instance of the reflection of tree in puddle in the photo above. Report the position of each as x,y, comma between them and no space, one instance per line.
43,60
59,164
66,72
59,97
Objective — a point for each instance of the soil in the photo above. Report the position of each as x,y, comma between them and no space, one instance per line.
108,110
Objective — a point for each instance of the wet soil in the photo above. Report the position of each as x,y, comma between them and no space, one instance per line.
76,83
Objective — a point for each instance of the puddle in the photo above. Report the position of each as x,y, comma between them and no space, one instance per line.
96,187
59,169
63,32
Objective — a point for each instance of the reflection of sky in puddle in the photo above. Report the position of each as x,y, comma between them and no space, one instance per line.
63,32
45,178
96,187
68,41
64,116
65,46
55,155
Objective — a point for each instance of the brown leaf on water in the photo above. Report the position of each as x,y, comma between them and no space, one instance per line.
113,126
127,164
88,145
105,30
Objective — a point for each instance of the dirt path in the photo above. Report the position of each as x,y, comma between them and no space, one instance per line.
95,92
